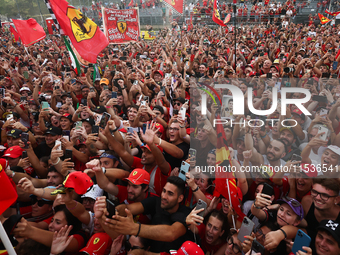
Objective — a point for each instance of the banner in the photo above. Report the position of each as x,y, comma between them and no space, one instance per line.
121,26
29,31
84,34
217,15
175,5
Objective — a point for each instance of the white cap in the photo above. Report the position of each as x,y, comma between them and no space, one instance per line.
94,192
24,89
333,148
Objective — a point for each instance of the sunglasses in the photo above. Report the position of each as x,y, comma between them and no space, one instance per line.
41,203
128,247
178,104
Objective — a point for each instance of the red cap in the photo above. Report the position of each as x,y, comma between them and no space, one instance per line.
297,111
160,72
99,244
161,128
68,116
159,147
13,152
309,170
188,247
309,38
139,176
78,181
252,73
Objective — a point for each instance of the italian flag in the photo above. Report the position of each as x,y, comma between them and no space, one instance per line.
74,61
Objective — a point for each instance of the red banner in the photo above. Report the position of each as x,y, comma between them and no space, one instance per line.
29,31
176,5
121,26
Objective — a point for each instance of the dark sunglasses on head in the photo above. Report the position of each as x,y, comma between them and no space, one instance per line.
41,203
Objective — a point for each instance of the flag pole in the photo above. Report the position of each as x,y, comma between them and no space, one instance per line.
231,205
5,240
234,7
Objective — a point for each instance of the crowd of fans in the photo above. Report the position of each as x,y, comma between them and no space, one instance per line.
131,124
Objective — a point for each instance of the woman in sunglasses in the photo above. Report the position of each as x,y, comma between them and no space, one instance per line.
62,218
286,215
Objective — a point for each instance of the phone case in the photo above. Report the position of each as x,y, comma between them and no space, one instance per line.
301,239
246,229
201,204
267,189
184,169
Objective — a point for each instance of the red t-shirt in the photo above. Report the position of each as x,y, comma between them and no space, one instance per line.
159,179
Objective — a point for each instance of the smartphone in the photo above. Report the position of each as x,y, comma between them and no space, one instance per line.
325,75
256,247
73,81
25,73
201,204
324,130
2,92
143,103
184,169
95,129
319,98
44,105
295,158
111,208
92,89
57,142
323,111
130,130
83,101
147,76
114,94
25,139
135,82
301,239
269,75
335,65
9,116
79,124
192,154
183,112
144,128
66,133
23,99
163,90
174,112
68,154
24,154
148,68
105,118
246,229
267,189
146,99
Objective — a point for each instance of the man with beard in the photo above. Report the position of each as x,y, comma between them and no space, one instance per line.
51,135
276,151
168,230
288,136
136,191
321,204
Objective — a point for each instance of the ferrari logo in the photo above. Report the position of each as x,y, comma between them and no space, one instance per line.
83,28
96,240
121,24
134,173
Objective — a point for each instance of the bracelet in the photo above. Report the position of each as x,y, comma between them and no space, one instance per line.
13,173
264,136
72,207
115,129
257,207
194,190
142,145
56,162
160,141
140,226
283,232
43,192
104,170
181,126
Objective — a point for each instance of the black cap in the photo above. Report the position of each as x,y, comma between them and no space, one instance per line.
332,227
15,133
53,131
99,109
180,99
90,121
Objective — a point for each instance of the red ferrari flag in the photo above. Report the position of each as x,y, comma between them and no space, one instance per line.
227,19
14,32
225,181
216,14
29,31
323,19
9,194
332,13
84,34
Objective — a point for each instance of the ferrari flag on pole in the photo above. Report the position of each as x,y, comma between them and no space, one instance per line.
29,31
84,34
217,15
323,19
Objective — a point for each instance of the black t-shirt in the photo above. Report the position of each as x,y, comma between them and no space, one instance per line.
176,162
202,153
152,206
43,150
